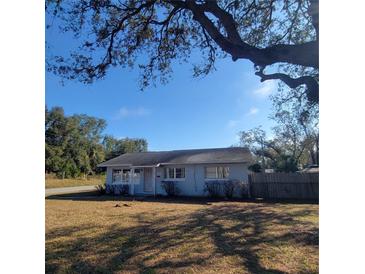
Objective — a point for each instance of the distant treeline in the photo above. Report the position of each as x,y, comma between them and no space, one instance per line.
76,144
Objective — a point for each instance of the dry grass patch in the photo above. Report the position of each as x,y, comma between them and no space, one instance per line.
94,236
53,182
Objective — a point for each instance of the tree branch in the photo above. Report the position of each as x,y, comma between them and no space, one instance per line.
305,54
167,20
121,28
311,84
226,19
313,12
108,58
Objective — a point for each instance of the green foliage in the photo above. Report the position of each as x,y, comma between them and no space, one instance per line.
72,143
297,123
268,33
283,154
296,135
243,188
228,188
285,163
170,188
114,147
101,189
117,189
213,188
255,168
75,144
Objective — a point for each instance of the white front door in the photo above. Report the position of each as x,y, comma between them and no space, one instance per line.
147,182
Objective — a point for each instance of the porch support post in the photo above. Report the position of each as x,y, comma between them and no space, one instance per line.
132,180
154,180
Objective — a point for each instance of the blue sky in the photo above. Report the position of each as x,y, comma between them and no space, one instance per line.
185,113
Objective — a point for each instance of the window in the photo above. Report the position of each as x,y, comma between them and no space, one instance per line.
121,175
125,175
117,175
211,172
216,172
179,173
174,173
170,173
223,172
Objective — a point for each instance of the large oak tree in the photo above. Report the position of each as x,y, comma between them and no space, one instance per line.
272,34
75,144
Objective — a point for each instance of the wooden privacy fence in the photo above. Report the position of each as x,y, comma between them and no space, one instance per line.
284,185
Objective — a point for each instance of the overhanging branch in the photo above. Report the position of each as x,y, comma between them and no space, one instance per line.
314,14
311,83
305,54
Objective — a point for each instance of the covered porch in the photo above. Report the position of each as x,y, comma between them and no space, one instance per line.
141,180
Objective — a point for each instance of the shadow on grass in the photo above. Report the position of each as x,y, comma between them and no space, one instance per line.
177,243
93,196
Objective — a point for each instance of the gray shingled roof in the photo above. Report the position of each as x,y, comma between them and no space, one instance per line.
191,156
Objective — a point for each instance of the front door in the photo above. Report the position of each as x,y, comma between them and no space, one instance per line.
147,182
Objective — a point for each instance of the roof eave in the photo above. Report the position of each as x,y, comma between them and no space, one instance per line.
177,163
109,165
206,163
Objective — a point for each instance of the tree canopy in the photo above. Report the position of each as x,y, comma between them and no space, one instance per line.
75,144
114,147
295,142
273,34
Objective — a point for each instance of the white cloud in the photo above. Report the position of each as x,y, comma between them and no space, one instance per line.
265,89
232,123
253,111
125,112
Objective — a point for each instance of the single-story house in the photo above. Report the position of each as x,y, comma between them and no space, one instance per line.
190,169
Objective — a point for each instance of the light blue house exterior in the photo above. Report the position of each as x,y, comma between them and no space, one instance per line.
143,172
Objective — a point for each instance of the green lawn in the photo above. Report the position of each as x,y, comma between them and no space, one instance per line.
52,181
165,236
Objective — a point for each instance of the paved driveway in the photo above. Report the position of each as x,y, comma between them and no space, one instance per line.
69,190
